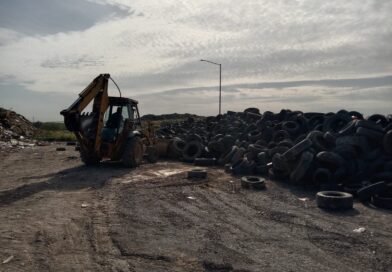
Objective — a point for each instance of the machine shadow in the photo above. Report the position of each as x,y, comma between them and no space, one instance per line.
75,178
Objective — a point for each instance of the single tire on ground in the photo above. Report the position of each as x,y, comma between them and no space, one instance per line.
133,153
251,182
334,200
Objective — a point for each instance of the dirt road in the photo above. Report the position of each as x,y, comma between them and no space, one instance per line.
58,215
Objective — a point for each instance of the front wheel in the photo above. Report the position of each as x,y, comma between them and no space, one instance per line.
133,153
89,157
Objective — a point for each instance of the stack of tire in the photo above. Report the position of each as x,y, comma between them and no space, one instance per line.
333,151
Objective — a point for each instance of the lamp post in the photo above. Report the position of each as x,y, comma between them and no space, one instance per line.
220,82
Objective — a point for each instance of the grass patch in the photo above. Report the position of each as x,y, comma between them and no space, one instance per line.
54,135
53,131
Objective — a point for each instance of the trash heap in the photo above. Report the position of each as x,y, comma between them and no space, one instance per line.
14,126
335,151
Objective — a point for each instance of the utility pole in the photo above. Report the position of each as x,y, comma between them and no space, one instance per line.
220,82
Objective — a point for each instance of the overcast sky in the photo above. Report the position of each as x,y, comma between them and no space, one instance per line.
311,55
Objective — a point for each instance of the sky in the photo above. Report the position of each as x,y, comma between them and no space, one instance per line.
310,55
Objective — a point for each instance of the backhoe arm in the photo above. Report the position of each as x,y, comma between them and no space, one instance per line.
97,90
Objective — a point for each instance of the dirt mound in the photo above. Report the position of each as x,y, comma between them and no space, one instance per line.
13,126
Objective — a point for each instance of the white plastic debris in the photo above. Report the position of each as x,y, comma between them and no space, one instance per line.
303,198
232,186
359,230
84,205
191,197
8,259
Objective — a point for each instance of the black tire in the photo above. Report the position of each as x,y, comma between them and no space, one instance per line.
355,114
254,135
330,138
89,158
197,174
133,152
226,158
152,154
176,146
336,122
192,151
291,127
244,167
349,128
262,158
387,142
378,119
322,176
205,161
330,158
297,149
370,133
194,137
238,156
302,167
364,194
280,163
384,202
369,125
334,200
277,150
287,143
60,149
280,135
318,141
251,182
352,188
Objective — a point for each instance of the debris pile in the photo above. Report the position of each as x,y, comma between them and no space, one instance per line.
14,126
332,151
15,130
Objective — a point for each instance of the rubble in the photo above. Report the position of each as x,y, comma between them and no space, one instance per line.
15,130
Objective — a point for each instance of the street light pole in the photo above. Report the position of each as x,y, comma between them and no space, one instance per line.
220,82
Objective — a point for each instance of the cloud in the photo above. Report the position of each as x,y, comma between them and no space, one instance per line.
42,17
261,44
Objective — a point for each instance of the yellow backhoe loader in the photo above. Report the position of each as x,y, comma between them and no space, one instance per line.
112,129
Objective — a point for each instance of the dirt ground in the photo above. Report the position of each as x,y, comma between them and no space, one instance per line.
58,215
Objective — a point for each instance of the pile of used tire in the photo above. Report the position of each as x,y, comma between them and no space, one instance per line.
332,151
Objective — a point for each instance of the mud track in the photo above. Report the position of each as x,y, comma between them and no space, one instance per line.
58,215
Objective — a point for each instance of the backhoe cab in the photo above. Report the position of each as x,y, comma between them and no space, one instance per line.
111,130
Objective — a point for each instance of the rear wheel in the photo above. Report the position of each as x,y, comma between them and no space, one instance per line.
133,153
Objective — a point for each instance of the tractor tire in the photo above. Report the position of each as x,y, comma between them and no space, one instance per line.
133,153
88,157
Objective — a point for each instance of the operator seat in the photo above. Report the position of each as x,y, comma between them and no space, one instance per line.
112,126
